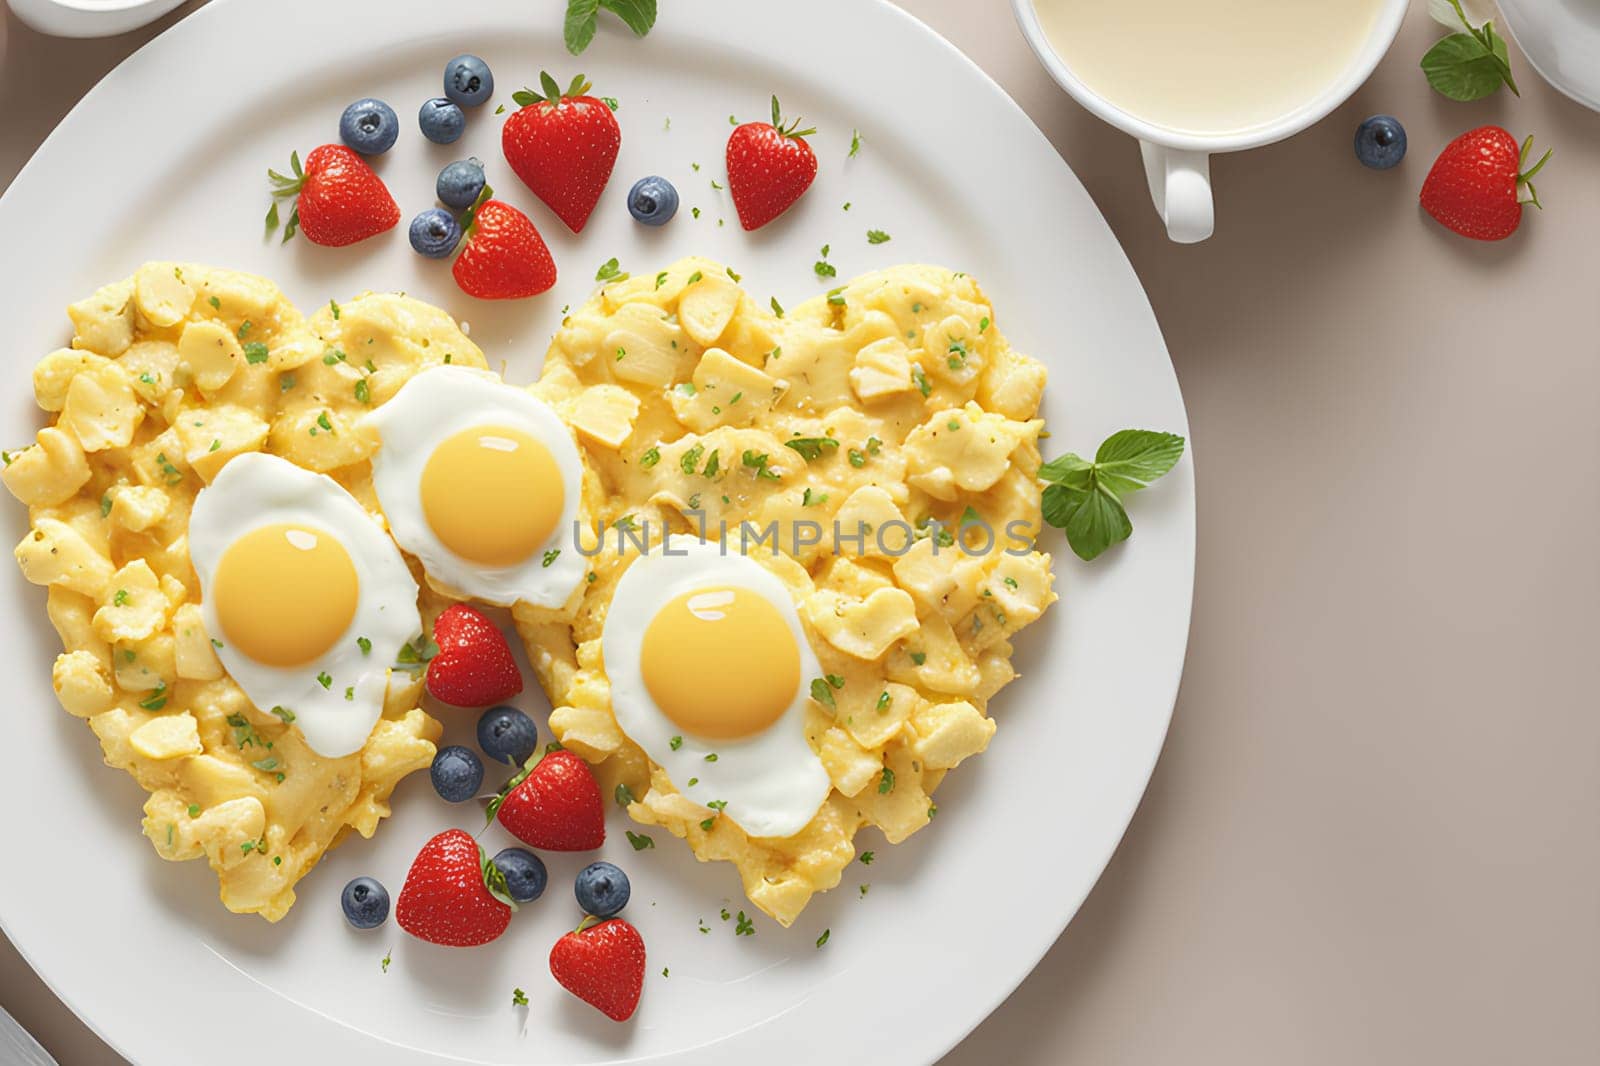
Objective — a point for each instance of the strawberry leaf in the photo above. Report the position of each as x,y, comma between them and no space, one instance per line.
272,218
552,91
292,227
494,879
579,26
526,97
294,162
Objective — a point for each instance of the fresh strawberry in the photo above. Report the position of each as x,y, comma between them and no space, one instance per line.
473,666
340,200
502,255
453,894
563,146
554,804
603,965
769,167
1476,183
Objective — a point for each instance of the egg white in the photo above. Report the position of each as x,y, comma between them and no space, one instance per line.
772,782
256,489
429,409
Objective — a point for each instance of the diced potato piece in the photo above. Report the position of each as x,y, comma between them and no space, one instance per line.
81,683
195,655
212,436
863,628
727,392
104,321
167,736
138,507
605,414
163,297
146,665
849,765
897,805
646,339
320,440
949,732
872,720
53,553
101,409
225,829
211,780
962,450
211,352
706,307
48,473
882,368
1012,384
53,373
135,606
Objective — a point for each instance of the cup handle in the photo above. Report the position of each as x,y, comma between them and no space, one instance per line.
1180,185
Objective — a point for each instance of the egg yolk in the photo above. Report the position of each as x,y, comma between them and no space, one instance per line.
285,594
720,663
492,494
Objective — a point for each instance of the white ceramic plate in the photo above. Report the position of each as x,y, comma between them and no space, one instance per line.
167,159
1561,39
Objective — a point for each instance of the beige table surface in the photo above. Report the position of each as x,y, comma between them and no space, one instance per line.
1372,837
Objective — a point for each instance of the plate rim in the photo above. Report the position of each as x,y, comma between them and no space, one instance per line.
1183,480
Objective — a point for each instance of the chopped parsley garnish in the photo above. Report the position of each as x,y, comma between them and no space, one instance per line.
365,645
388,954
835,680
886,782
623,794
333,356
216,304
836,296
922,380
864,890
256,352
269,763
867,857
858,458
713,464
661,279
519,998
1011,582
215,445
120,598
777,308
877,236
983,324
322,420
244,328
610,101
711,757
758,463
363,391
855,144
691,458
812,500
105,505
335,309
610,271
285,713
640,841
693,781
744,926
625,523
933,809
350,692
593,577
170,473
286,382
324,679
734,274
675,743
194,810
717,805
823,694
823,939
811,448
883,701
695,211
650,458
664,971
148,378
696,276
157,698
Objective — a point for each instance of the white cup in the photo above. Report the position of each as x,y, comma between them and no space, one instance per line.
1178,165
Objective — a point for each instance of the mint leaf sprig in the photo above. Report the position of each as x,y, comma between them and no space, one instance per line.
583,17
1083,497
1469,65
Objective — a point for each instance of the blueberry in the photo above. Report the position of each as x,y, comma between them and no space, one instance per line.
1380,142
435,234
467,80
460,183
653,201
365,903
524,871
441,121
369,126
602,889
507,735
456,773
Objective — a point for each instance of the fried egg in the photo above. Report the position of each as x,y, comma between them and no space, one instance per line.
481,481
710,670
306,598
